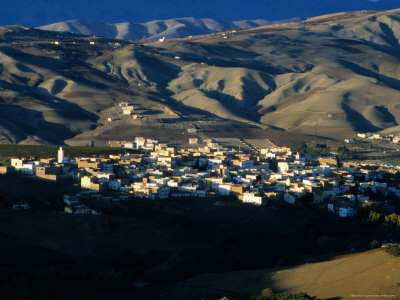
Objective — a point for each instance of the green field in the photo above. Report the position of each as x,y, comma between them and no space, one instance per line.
21,151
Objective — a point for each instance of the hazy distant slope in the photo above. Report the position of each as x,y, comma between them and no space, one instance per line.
172,28
44,12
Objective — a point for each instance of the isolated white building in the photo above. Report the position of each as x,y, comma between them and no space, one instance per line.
193,141
60,155
127,110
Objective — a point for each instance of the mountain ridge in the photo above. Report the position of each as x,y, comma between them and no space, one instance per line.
153,30
47,12
328,76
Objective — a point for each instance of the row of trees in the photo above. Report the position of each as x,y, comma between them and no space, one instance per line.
393,219
268,294
374,216
344,153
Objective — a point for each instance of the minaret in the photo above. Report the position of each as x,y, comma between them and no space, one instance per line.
60,155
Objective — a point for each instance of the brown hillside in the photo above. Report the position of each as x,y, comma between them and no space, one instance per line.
357,276
334,75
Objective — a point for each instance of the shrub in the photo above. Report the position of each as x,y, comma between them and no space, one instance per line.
374,244
267,294
393,249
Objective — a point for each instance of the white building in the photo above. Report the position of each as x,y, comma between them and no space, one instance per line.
193,141
60,155
108,168
105,177
129,145
225,189
172,183
252,198
127,110
114,185
17,163
346,212
140,142
364,135
86,182
283,166
29,168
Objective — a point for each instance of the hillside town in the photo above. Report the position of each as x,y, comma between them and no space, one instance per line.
162,172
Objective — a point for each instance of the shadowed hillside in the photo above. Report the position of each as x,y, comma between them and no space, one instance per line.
330,76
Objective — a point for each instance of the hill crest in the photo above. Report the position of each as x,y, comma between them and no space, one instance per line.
330,76
153,30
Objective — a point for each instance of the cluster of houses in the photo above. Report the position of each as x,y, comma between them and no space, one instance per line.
165,172
376,136
74,203
127,110
52,169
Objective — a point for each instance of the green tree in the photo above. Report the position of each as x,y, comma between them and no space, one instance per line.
374,244
393,249
393,219
303,149
268,294
374,216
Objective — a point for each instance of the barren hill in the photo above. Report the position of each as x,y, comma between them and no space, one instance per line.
329,76
154,30
373,275
47,12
